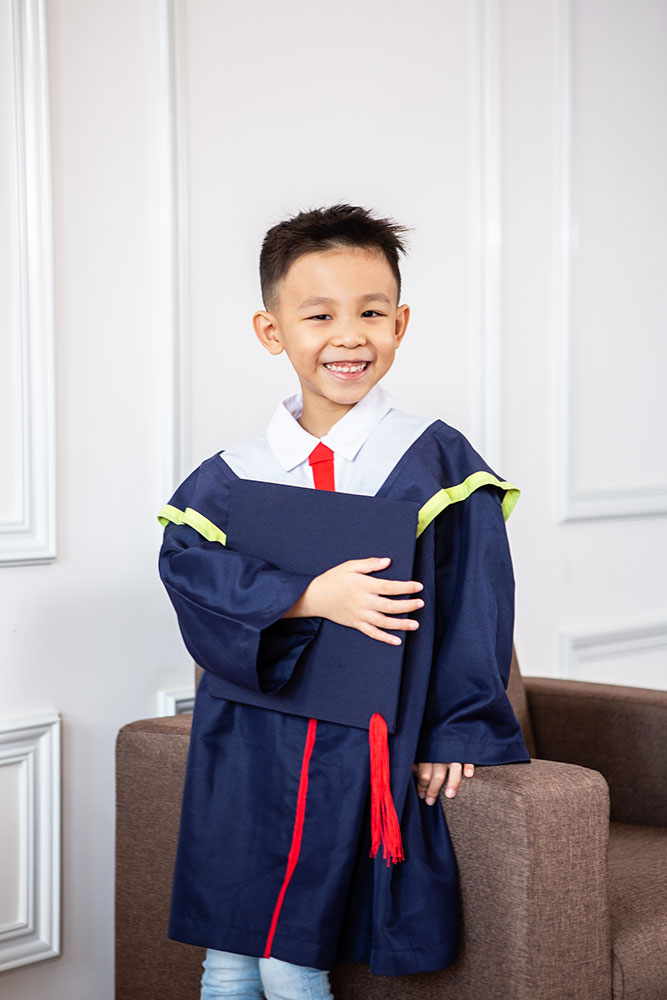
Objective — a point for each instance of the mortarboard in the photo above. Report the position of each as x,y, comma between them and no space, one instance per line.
343,676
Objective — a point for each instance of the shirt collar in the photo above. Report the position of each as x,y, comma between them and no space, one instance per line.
292,445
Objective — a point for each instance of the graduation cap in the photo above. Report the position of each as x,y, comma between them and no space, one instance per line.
343,676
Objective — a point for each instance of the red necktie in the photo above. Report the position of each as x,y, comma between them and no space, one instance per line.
385,828
321,461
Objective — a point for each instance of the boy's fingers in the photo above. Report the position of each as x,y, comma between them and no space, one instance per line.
371,565
390,606
430,779
375,633
424,772
468,770
404,624
453,780
438,775
389,588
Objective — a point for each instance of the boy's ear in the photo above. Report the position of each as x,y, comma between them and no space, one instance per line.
267,331
402,318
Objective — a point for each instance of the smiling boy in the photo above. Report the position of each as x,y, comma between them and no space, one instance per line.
273,873
342,341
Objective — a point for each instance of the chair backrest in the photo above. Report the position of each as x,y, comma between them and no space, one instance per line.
517,695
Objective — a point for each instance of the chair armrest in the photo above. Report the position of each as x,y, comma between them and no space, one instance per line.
616,730
531,849
150,767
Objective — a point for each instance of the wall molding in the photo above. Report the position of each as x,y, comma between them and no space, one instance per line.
574,504
32,745
173,349
487,234
31,537
176,701
577,650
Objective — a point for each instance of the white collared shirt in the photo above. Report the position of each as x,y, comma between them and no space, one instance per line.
367,443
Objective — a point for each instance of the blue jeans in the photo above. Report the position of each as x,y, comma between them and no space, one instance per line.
246,978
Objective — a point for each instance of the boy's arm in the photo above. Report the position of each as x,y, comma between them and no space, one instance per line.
230,609
249,622
468,714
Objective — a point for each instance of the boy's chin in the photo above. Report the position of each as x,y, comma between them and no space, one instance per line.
349,395
343,394
348,391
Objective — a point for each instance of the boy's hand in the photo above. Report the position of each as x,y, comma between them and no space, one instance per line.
431,778
346,594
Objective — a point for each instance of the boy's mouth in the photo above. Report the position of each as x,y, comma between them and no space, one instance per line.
347,367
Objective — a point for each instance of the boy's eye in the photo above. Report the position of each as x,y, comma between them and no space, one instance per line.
367,312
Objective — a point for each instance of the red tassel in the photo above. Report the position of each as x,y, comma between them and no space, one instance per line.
385,827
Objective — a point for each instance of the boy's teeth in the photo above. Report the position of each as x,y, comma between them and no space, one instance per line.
346,368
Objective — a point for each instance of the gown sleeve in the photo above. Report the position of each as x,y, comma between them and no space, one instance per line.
469,717
229,609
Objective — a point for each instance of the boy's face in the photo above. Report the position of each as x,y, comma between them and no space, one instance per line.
338,320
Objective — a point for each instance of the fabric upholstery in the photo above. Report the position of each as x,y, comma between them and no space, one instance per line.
150,769
618,731
516,691
638,904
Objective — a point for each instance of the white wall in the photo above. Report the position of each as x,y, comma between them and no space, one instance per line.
90,635
524,142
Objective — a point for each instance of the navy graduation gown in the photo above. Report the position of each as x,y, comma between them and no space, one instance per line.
244,763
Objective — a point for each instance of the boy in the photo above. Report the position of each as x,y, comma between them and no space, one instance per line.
273,874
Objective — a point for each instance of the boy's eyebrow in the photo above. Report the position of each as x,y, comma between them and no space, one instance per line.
318,300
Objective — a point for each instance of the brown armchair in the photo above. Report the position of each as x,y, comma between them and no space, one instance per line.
557,903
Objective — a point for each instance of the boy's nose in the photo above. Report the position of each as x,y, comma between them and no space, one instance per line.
349,337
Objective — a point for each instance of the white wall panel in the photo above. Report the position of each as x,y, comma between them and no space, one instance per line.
580,567
486,224
174,348
12,841
634,656
30,840
529,96
93,634
27,439
616,425
11,494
